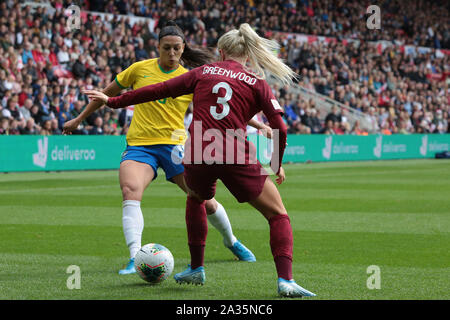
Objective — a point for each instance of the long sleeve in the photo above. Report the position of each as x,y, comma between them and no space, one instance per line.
276,122
175,87
141,95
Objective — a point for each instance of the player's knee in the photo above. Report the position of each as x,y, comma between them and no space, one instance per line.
130,192
211,206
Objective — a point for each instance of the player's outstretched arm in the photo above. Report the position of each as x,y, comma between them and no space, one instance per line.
174,87
148,93
111,90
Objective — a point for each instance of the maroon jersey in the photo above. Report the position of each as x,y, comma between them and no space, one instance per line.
226,97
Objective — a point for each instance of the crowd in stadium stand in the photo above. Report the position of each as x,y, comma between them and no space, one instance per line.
423,23
43,64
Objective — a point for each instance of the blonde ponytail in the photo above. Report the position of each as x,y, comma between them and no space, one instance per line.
260,52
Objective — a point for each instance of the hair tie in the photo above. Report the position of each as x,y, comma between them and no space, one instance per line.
171,30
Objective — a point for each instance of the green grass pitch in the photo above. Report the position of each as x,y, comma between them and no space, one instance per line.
346,217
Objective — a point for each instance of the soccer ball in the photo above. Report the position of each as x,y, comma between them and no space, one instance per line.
154,263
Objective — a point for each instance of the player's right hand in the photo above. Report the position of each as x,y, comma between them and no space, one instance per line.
70,126
96,96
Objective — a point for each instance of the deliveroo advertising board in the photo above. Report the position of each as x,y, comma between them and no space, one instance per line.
57,153
320,148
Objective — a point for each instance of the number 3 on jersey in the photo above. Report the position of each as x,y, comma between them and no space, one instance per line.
221,100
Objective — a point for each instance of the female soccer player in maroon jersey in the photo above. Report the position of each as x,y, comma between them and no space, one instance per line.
227,95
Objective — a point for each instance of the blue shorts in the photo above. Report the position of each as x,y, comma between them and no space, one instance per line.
167,156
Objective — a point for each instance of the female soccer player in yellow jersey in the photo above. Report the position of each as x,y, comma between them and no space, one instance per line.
156,138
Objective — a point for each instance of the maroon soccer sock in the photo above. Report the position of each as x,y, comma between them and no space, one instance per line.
281,243
197,230
197,256
284,267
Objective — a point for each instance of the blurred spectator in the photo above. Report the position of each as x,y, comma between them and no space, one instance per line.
63,56
402,128
11,111
357,129
329,127
300,128
140,52
316,123
26,53
97,129
14,128
25,110
79,68
333,116
4,126
385,129
65,114
30,127
441,124
44,107
55,127
46,129
290,113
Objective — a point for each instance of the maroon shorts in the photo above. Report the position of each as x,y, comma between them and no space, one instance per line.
245,182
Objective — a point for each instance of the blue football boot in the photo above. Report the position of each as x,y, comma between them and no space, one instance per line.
191,276
242,252
129,269
291,289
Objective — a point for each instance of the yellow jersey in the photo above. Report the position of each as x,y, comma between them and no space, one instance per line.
154,122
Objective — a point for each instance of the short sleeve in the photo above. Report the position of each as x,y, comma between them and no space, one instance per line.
268,103
175,87
127,77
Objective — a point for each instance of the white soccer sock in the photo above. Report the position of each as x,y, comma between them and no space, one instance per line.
219,220
133,225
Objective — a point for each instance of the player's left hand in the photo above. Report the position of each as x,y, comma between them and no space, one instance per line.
96,95
281,176
266,131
